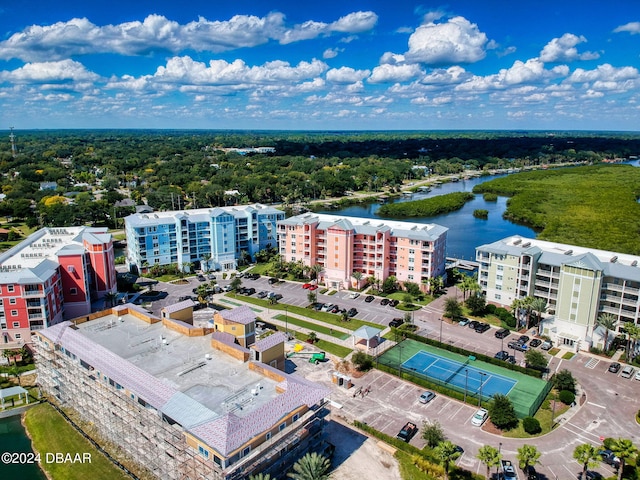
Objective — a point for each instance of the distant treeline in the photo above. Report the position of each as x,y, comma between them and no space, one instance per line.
429,207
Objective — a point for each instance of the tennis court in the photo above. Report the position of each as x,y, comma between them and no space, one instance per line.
462,375
438,366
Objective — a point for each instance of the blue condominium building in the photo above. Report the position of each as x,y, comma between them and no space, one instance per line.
213,237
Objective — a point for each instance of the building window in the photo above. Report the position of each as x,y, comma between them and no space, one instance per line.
12,301
498,296
500,268
16,324
203,451
498,287
73,291
71,268
14,313
410,277
267,437
10,288
282,426
296,417
18,336
245,452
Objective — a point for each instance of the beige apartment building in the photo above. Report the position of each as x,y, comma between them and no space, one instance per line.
412,252
578,284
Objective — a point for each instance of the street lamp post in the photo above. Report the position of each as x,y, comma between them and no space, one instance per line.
482,375
441,329
499,447
466,381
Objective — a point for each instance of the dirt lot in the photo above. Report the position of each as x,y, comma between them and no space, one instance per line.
356,453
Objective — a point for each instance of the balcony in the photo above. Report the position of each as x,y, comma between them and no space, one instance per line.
541,293
33,293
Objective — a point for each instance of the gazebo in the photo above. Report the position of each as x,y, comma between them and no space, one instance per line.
370,335
11,391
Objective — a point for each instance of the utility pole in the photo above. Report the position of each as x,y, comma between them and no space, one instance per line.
12,137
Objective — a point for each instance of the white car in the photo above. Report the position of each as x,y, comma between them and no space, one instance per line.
627,372
479,417
354,295
638,375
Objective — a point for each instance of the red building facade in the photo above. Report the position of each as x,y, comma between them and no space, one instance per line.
53,275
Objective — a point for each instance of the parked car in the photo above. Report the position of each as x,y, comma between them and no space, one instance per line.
535,342
530,473
508,470
473,324
501,355
354,295
638,375
427,396
396,322
521,347
407,432
482,327
252,276
479,417
277,296
523,339
463,321
262,294
627,372
240,275
313,287
211,276
227,288
369,298
327,307
608,457
384,301
249,291
546,345
511,360
502,333
201,278
272,281
394,303
352,312
306,285
335,309
318,306
614,367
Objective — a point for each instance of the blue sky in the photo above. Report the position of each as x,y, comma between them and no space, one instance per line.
464,64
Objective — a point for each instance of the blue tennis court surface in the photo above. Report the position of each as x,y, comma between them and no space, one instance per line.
462,375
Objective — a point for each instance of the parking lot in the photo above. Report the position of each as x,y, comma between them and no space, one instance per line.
608,410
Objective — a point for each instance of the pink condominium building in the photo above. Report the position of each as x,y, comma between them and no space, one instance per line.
412,252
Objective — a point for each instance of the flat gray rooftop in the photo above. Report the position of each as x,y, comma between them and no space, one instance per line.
188,364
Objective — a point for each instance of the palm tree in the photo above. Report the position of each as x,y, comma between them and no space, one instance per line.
436,284
236,283
527,456
357,277
446,452
110,299
14,371
632,332
452,308
623,449
539,305
315,270
587,456
260,476
490,456
204,261
608,321
311,467
312,297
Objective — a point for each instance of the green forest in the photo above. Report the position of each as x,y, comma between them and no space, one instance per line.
70,177
429,207
595,206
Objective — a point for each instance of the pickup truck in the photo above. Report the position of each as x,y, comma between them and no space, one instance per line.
407,432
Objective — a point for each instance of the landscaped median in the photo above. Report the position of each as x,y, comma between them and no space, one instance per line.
330,318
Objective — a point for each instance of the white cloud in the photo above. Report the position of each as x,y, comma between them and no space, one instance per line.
331,53
220,72
356,22
388,73
43,72
447,76
392,58
564,49
79,36
456,41
346,75
631,27
604,72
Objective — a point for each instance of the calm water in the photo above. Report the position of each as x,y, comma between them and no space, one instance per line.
14,439
465,231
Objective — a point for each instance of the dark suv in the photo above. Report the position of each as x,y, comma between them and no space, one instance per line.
502,333
396,322
530,473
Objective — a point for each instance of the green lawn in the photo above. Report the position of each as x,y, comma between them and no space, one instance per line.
50,433
332,348
313,326
330,318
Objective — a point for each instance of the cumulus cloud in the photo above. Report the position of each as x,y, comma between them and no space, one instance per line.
447,76
455,41
220,72
46,72
388,73
346,75
631,27
331,53
79,36
564,49
604,72
356,22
